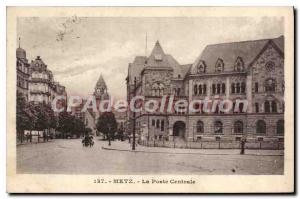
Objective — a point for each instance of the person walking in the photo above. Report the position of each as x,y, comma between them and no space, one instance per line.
243,141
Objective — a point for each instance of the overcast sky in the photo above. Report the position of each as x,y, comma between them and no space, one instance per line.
77,50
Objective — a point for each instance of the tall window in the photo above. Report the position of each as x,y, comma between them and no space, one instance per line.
195,89
157,123
153,122
243,87
261,127
223,88
162,125
204,89
218,88
218,125
280,127
200,89
213,88
267,107
233,88
274,107
200,126
238,88
270,85
256,108
256,87
238,127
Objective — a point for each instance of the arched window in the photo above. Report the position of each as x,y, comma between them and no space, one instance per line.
267,107
157,89
200,89
232,88
223,88
243,87
201,67
200,127
280,127
195,89
270,85
261,127
218,125
238,127
239,64
219,65
274,107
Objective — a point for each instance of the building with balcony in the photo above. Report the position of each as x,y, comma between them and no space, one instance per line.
42,87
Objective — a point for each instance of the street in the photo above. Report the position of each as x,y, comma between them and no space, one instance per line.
68,156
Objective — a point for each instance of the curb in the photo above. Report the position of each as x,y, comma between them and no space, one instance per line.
184,153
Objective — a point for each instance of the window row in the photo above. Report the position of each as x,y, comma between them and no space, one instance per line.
159,124
200,89
238,127
238,87
22,83
269,86
269,107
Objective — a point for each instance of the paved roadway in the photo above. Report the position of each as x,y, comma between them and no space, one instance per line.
69,157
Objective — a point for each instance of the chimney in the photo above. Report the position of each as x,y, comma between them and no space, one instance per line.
38,57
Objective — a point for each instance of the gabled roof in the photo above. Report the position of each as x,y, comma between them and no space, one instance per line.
228,52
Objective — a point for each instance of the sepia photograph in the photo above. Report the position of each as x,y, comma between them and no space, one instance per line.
129,99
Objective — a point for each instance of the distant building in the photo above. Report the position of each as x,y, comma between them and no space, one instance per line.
250,70
90,117
23,72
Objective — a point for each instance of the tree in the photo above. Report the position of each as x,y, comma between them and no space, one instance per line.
42,121
24,116
69,125
107,125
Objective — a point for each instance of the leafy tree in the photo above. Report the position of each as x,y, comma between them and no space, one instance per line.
24,116
70,125
107,125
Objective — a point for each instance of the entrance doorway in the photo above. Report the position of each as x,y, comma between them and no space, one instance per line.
179,129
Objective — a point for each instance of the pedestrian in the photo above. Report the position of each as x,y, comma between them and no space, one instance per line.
243,141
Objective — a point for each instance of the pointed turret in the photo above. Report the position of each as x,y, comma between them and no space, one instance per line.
101,88
101,83
157,50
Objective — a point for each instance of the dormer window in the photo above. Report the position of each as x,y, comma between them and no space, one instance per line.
158,57
219,65
239,64
201,68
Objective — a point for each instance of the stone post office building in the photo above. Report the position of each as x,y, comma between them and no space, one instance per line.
245,70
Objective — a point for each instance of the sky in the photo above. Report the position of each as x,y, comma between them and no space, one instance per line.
78,50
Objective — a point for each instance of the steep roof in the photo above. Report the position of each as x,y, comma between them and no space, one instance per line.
135,68
229,52
101,82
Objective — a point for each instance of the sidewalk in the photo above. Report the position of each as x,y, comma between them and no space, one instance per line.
125,146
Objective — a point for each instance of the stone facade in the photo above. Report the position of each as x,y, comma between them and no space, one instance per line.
23,72
42,87
252,71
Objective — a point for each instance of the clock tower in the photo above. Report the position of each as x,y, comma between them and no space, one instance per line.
101,90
